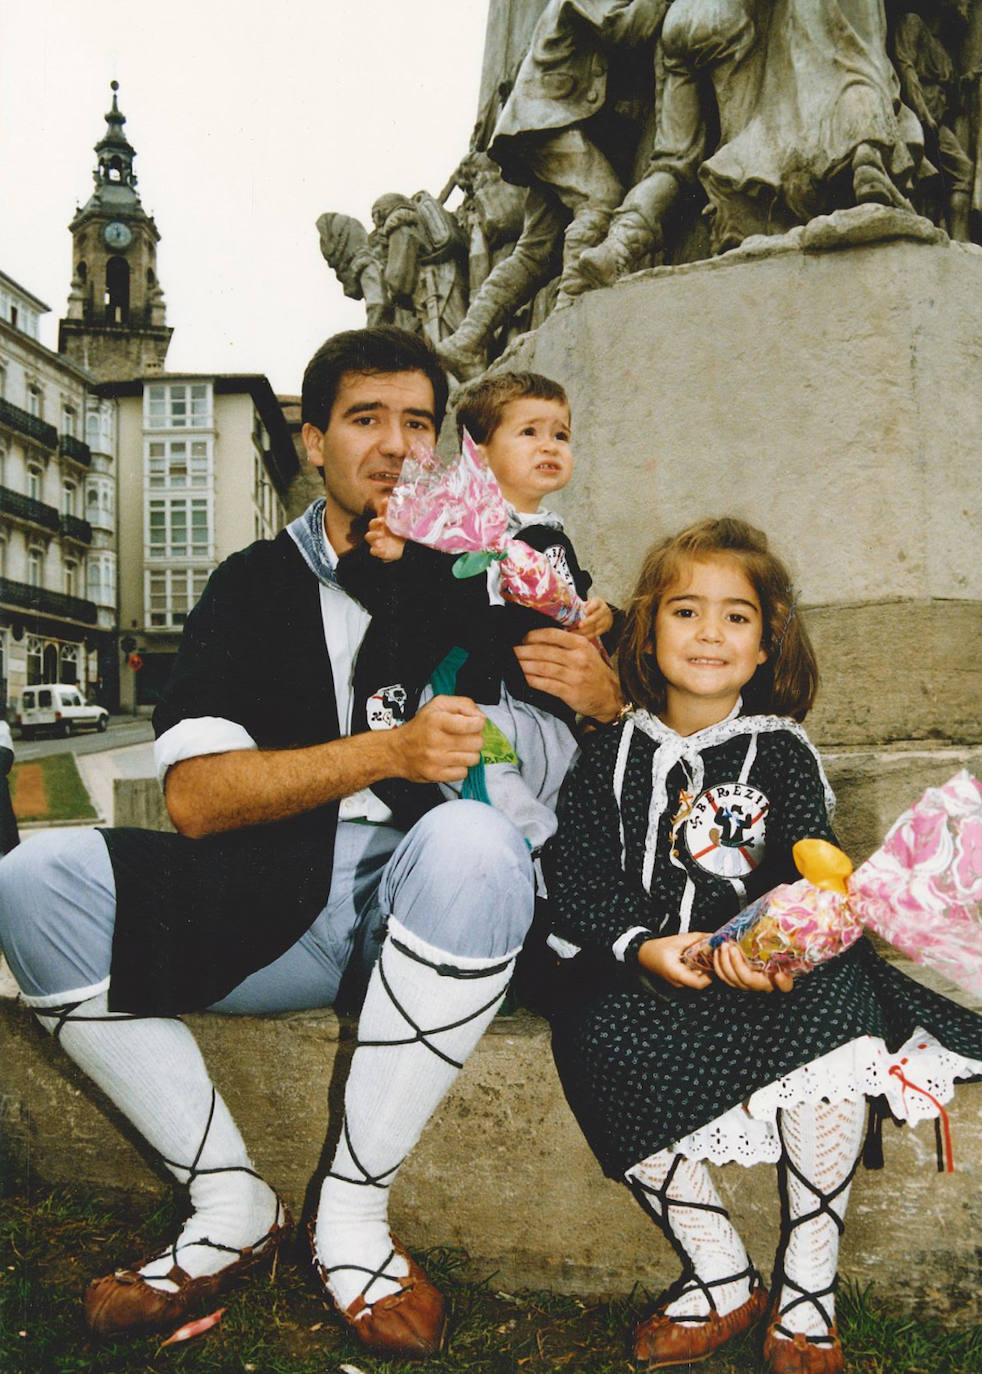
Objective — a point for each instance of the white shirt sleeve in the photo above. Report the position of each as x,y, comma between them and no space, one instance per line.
198,735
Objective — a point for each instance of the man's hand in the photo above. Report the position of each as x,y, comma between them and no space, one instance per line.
597,618
662,956
570,668
730,965
440,743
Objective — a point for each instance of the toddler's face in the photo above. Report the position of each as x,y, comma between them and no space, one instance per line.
530,451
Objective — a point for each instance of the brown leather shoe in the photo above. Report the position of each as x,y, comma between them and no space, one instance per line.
124,1301
407,1325
800,1355
659,1341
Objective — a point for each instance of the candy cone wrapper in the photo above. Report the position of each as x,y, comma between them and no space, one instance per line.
788,930
456,505
921,891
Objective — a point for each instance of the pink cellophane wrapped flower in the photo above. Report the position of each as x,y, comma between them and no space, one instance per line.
922,889
456,505
453,504
529,578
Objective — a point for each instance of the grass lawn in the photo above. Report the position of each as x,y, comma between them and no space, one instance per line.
50,789
52,1242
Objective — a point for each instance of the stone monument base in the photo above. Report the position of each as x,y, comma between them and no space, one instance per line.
827,386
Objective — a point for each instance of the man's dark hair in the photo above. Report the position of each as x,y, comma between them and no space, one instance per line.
367,351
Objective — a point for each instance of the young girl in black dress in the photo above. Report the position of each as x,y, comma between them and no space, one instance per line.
671,821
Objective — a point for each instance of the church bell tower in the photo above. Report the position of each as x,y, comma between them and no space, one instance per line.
115,323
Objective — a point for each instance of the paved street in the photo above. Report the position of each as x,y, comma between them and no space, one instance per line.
123,731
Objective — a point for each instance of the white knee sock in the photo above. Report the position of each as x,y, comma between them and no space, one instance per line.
680,1197
821,1143
152,1070
424,1012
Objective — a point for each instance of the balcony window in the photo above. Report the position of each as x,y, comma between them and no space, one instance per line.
68,497
35,565
69,421
178,405
71,578
179,528
171,593
178,463
34,400
35,478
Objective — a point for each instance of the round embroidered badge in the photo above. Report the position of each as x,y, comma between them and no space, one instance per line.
724,831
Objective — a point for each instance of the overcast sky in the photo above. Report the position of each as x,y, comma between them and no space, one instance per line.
248,121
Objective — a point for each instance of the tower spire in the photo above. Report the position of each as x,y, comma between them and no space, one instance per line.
115,180
116,321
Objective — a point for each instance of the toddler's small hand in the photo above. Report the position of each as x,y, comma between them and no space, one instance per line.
380,539
597,619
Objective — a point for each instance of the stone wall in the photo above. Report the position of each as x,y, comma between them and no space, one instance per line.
826,388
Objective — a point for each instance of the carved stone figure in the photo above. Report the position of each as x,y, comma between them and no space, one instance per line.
491,214
345,248
930,84
550,137
809,114
424,262
397,245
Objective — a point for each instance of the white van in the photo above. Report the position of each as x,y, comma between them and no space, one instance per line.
59,707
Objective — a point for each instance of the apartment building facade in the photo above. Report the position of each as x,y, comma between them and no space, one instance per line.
205,466
58,566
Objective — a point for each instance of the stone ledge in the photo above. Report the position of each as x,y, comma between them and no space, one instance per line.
502,1170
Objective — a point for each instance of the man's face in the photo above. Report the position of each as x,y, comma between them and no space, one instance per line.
373,422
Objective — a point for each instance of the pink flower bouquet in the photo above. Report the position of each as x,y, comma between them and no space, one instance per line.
921,891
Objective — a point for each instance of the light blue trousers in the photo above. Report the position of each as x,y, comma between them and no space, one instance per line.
461,880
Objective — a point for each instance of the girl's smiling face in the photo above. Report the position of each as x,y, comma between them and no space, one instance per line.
709,629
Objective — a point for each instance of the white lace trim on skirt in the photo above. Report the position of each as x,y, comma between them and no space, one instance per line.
914,1080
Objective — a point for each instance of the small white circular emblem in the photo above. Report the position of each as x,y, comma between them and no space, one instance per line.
724,831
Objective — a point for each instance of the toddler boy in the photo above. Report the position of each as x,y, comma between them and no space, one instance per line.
520,424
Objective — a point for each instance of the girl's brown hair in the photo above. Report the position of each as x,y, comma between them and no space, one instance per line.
786,683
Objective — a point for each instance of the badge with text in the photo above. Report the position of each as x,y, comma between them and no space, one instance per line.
724,830
386,708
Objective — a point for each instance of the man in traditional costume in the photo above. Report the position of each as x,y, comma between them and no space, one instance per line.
310,851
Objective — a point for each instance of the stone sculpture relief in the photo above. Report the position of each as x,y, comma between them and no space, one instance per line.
721,118
551,137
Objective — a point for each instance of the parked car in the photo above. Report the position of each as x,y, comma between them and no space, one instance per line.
60,708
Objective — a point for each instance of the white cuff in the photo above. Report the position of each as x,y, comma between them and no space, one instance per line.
619,947
198,735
